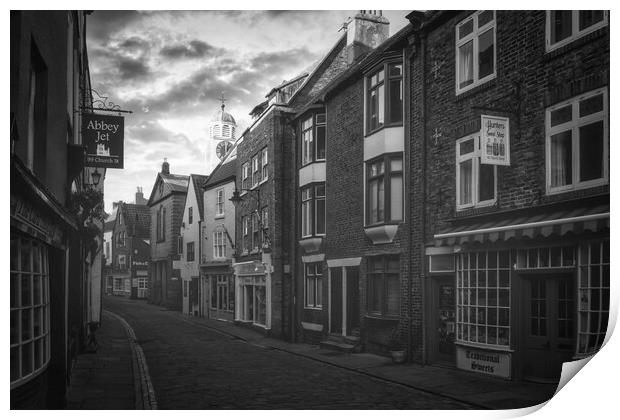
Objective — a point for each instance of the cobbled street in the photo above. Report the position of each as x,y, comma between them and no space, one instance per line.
192,367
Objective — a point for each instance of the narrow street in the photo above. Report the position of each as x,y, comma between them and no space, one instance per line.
195,368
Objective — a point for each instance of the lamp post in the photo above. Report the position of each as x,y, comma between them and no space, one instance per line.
236,199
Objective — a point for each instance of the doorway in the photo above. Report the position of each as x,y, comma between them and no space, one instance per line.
344,300
443,320
549,325
335,301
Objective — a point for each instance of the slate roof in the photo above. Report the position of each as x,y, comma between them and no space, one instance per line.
222,173
198,182
176,182
138,219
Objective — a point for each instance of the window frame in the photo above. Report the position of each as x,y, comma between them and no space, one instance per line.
574,25
264,163
310,203
382,276
190,215
190,253
219,202
219,245
573,125
475,157
474,37
255,233
385,82
309,150
387,191
245,177
316,277
256,170
245,230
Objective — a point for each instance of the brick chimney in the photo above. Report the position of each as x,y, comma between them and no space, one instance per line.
140,197
165,167
367,31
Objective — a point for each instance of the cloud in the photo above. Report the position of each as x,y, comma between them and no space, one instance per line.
131,68
193,49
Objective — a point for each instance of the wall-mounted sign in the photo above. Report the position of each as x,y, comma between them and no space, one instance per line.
103,137
495,140
483,361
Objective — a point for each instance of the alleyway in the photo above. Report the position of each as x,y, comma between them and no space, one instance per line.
195,368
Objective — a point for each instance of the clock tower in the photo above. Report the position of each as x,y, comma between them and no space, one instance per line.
222,131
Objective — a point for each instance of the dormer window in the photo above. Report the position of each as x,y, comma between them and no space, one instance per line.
384,97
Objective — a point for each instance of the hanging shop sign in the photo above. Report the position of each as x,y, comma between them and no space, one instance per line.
482,361
103,137
495,140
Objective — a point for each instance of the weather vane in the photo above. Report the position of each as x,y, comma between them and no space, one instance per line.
223,99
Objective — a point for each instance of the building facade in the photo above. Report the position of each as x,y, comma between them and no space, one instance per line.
166,203
510,134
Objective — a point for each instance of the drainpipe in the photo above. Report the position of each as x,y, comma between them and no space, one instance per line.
409,52
423,215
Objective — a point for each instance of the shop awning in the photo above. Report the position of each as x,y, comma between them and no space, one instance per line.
531,226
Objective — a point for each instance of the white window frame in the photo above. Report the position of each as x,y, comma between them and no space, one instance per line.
575,32
245,221
309,212
474,36
190,215
219,202
264,165
307,142
317,296
256,170
574,125
475,158
245,177
122,262
219,245
256,232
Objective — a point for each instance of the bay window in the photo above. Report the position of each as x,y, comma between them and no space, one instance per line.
313,210
384,106
384,190
476,183
577,142
565,26
313,286
475,50
313,139
384,285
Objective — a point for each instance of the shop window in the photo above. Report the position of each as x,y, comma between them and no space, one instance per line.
190,251
593,296
384,105
313,139
254,300
565,26
384,285
578,143
313,210
222,293
475,50
384,190
483,298
313,286
30,313
219,202
476,183
547,257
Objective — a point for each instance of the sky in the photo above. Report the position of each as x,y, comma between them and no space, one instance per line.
171,68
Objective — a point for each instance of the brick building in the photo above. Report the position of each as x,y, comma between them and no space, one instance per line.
166,202
515,278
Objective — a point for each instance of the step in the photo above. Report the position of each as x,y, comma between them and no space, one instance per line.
334,345
353,340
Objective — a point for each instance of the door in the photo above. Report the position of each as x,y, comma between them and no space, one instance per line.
443,320
549,323
335,300
353,302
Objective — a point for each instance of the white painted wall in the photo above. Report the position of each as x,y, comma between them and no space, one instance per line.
190,233
213,222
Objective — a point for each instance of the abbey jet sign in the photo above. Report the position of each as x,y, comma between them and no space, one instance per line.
103,138
495,140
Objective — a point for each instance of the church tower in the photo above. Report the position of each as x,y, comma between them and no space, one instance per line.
222,130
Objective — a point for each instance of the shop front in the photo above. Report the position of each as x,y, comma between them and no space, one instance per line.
217,287
516,300
253,293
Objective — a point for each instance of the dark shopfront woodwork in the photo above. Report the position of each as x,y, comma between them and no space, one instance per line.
353,307
549,324
443,320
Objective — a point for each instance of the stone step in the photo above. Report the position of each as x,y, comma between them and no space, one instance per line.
351,339
337,346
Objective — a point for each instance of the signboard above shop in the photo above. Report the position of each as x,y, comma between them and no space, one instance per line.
495,140
103,137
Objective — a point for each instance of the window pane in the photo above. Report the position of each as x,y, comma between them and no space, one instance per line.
485,17
372,109
320,142
26,359
396,69
591,105
466,147
26,324
466,64
320,190
486,54
381,105
396,164
14,363
372,200
591,145
320,216
381,201
396,101
561,159
396,197
487,182
25,256
588,18
26,290
466,28
562,115
561,23
14,253
319,291
310,292
393,293
465,190
15,302
376,293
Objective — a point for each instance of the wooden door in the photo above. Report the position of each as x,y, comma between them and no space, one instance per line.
335,301
353,300
443,319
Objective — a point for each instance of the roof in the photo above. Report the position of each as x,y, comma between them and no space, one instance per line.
221,173
287,82
198,182
176,182
109,225
137,218
531,224
223,116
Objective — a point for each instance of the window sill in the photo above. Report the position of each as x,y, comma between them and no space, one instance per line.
381,234
311,243
219,216
380,317
263,181
376,130
553,52
493,347
476,88
303,165
313,308
573,187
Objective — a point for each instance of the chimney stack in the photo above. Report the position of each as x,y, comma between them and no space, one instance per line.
165,167
370,29
140,197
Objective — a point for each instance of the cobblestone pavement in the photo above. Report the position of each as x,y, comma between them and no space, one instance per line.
194,368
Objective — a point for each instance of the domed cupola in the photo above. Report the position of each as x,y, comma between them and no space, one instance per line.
222,130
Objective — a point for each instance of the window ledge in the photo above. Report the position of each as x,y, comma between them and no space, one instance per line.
311,244
219,216
383,234
384,126
555,52
476,89
313,308
263,181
